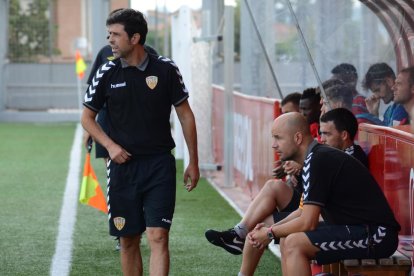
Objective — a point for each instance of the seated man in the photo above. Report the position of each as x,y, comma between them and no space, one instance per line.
232,240
335,186
380,78
342,96
290,103
278,194
310,107
338,128
404,89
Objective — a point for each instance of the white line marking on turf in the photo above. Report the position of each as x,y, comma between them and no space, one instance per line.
63,252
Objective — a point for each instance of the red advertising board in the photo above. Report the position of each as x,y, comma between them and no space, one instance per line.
252,122
391,161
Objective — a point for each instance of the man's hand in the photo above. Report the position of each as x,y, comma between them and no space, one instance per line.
292,168
118,154
258,236
85,139
373,103
278,171
191,177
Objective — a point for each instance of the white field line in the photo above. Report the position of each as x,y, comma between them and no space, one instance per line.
63,252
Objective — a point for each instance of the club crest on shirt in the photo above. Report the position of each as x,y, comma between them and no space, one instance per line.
119,223
152,81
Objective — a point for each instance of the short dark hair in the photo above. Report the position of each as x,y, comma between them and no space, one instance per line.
345,72
377,74
410,72
132,20
292,97
343,119
341,93
310,93
329,83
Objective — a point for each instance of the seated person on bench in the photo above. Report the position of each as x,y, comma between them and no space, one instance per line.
358,222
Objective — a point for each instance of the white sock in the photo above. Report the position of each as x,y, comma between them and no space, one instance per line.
241,230
240,274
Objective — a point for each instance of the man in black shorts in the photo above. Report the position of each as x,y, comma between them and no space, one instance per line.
358,222
104,55
139,90
338,129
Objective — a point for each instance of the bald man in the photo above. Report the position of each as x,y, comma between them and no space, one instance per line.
335,186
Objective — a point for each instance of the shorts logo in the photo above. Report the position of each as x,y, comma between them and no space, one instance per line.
166,220
152,81
119,223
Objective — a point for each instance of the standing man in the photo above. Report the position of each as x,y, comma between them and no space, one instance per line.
404,89
380,78
139,90
335,186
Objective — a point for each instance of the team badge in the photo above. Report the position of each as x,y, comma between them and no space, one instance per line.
119,223
152,81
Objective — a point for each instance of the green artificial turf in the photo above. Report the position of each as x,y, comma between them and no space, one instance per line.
190,252
34,165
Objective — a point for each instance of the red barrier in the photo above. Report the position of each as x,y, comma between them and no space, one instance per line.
391,160
253,153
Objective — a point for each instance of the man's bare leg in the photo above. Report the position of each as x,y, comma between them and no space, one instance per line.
251,258
274,194
298,251
131,260
282,257
160,257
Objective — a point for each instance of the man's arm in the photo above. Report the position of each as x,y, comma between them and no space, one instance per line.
306,221
116,152
187,120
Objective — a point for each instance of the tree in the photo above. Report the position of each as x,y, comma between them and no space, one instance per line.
29,30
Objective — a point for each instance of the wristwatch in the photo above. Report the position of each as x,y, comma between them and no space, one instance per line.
270,233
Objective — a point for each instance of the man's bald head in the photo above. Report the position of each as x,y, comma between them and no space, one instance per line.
292,122
291,136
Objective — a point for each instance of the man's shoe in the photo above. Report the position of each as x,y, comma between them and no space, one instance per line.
118,244
227,239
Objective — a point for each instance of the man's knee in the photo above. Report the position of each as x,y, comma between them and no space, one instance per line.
275,184
129,242
157,235
298,244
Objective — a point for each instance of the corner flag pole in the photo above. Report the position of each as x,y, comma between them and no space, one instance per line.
80,72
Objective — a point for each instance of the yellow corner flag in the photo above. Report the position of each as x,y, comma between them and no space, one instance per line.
91,193
80,65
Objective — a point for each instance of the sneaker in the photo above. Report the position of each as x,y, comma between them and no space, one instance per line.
227,239
118,244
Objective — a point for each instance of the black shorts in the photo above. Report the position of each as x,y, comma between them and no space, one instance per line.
100,151
141,193
341,242
292,206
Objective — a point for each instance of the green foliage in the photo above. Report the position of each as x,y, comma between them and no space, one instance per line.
29,35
